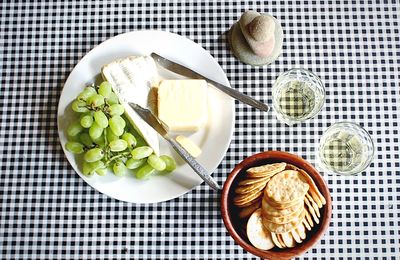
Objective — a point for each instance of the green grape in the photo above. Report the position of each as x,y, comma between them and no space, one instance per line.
85,139
116,110
110,135
119,120
170,163
91,167
95,100
95,131
145,171
97,165
100,141
105,89
133,164
141,152
101,119
74,138
86,93
93,155
87,168
130,139
112,99
122,121
86,121
74,129
117,125
79,106
119,168
74,147
118,145
101,171
156,162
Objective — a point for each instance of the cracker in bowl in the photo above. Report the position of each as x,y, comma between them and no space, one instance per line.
282,203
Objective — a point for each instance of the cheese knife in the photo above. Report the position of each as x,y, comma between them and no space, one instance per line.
153,121
184,71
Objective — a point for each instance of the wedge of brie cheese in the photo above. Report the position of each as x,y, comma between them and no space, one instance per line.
131,79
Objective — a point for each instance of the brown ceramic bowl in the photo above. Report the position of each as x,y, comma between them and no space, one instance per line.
237,227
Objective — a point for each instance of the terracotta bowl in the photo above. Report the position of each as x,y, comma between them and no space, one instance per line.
237,227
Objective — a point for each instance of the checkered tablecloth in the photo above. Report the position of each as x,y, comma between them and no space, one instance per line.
47,211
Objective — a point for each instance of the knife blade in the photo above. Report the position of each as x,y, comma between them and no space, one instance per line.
184,71
153,121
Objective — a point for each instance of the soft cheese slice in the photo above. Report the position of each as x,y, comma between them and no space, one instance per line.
131,79
182,104
189,145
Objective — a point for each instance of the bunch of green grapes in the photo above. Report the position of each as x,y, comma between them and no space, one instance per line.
101,134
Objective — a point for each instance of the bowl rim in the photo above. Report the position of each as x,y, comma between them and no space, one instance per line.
315,175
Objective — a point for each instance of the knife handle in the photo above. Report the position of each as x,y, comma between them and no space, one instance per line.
240,96
194,164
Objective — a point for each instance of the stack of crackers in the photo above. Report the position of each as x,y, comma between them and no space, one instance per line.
282,202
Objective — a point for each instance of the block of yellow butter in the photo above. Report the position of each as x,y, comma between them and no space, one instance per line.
182,104
189,146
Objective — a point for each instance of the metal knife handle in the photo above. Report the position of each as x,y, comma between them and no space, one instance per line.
239,96
194,164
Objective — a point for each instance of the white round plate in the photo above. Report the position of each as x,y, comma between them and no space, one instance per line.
213,140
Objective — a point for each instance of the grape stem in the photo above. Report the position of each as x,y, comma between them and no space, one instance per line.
116,157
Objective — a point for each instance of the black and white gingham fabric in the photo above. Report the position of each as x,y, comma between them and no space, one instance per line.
48,212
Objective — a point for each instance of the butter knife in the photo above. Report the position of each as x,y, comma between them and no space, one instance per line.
153,121
184,71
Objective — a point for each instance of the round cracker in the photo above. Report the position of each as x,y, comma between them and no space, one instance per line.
287,239
275,240
309,219
296,236
283,228
249,181
281,206
244,198
315,198
283,219
278,236
266,170
249,203
250,188
311,210
269,210
263,175
316,194
313,204
286,187
257,234
305,222
300,229
247,211
291,167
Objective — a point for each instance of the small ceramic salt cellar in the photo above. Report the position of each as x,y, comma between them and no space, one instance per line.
256,39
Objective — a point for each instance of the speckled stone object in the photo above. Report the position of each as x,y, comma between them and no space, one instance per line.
256,39
262,28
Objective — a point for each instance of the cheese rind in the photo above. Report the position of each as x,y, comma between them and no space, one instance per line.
182,104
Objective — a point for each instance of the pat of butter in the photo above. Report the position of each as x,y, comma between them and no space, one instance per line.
189,146
182,104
